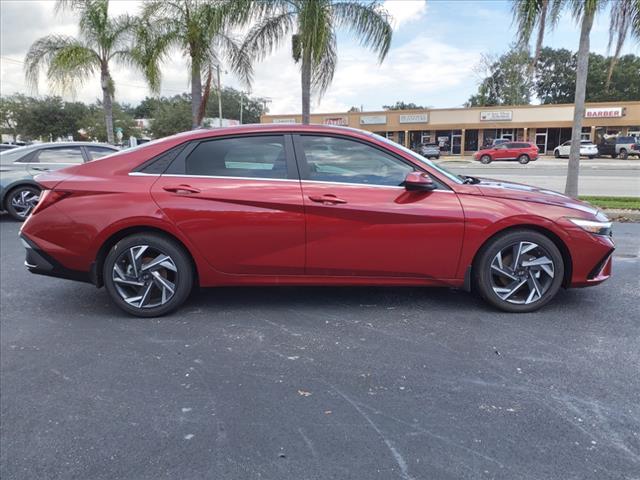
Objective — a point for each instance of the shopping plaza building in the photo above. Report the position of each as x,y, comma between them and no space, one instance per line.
462,130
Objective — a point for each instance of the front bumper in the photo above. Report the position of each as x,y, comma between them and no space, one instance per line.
39,262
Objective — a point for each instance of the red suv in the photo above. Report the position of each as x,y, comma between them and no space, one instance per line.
305,205
523,152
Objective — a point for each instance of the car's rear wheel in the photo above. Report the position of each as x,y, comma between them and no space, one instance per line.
623,154
519,271
485,159
523,159
591,157
148,275
21,201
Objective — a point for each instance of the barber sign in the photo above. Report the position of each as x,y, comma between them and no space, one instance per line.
604,112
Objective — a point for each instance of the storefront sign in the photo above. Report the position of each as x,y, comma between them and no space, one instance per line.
342,121
414,118
284,120
496,116
373,120
604,112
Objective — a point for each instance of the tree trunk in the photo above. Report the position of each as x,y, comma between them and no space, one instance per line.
107,104
205,97
306,88
196,94
540,38
573,171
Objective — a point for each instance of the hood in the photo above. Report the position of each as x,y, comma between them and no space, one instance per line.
528,193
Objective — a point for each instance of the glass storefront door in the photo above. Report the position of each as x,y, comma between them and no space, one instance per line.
456,144
541,141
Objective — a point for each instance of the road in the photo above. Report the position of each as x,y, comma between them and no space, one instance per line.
319,383
600,176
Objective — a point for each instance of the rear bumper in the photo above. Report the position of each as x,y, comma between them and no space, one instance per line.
39,262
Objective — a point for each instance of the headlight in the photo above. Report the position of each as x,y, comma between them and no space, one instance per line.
592,226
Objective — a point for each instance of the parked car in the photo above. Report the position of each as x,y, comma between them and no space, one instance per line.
7,146
620,147
19,192
429,150
523,152
271,205
587,149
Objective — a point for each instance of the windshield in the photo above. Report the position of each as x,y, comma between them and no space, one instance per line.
451,176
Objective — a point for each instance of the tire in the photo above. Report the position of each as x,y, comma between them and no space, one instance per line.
556,153
485,159
523,159
536,278
591,157
148,290
614,155
20,201
623,154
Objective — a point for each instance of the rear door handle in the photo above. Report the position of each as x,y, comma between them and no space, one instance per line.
327,199
180,189
41,169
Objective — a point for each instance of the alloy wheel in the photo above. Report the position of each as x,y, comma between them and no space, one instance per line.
522,273
145,277
23,201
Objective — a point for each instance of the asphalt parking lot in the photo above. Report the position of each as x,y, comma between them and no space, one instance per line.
319,383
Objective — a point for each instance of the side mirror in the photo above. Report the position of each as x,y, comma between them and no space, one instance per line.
419,181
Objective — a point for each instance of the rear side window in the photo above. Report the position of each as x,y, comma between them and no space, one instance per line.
98,152
60,155
252,157
626,139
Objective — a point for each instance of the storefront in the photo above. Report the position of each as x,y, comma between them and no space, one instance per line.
460,131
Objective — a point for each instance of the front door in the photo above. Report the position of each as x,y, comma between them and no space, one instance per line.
362,222
238,199
502,152
456,144
541,142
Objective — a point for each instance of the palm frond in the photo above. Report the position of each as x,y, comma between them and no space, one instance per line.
369,22
238,59
322,72
268,34
69,63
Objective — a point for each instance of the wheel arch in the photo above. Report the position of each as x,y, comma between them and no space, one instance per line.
12,186
564,250
103,251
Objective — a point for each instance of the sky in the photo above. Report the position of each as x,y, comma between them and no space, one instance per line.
435,49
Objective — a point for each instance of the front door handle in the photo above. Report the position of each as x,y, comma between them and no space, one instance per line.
41,169
180,189
327,199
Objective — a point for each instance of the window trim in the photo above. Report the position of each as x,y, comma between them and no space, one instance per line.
178,166
37,153
303,166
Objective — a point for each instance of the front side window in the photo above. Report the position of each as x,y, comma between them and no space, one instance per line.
331,159
60,155
252,157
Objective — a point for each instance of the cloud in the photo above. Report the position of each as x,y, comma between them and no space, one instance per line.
405,11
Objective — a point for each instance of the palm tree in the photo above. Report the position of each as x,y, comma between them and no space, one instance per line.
202,29
584,11
623,15
71,61
313,25
529,14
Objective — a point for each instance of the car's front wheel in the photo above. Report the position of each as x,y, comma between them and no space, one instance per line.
485,159
21,201
556,153
519,271
148,275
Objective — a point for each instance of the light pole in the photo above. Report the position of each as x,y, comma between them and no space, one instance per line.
219,96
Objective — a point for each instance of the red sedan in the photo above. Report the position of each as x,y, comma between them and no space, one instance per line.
523,152
305,205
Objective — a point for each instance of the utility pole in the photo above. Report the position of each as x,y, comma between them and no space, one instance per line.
241,99
219,96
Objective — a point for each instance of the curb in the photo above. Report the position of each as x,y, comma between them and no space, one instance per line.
620,215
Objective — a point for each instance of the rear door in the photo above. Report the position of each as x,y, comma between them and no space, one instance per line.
238,199
361,221
55,158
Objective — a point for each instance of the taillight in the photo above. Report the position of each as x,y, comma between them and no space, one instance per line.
48,198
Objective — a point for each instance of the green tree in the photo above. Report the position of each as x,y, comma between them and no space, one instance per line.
171,115
625,20
12,114
94,127
312,25
538,15
71,61
584,12
202,30
555,76
252,108
506,80
400,105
